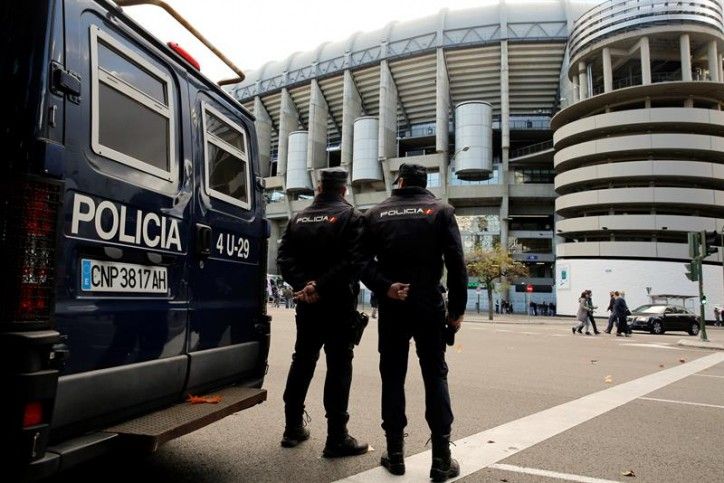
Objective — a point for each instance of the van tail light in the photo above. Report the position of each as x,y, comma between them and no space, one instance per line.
28,226
184,55
33,414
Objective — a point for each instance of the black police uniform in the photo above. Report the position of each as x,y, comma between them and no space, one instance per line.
410,234
322,244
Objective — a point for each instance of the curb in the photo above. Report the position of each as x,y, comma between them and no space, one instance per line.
701,345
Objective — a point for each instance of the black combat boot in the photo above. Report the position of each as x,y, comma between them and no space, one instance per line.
394,459
444,466
293,435
340,445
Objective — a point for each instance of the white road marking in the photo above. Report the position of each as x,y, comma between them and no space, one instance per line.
708,375
689,403
530,333
651,346
559,335
475,453
549,474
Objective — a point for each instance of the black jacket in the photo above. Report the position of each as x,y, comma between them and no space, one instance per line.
408,237
323,243
620,309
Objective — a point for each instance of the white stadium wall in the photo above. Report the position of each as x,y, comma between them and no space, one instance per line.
632,277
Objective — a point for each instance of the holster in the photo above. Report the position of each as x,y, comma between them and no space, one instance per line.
359,323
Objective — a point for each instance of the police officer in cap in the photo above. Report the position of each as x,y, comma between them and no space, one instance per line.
409,235
320,257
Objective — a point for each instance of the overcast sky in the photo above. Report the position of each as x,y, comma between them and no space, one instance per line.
251,33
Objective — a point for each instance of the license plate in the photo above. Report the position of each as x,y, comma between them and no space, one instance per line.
102,276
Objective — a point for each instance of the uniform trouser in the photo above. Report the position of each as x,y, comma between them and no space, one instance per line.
316,328
397,325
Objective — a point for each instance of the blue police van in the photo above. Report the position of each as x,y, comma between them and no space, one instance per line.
132,237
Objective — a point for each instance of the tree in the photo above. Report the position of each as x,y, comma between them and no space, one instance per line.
490,265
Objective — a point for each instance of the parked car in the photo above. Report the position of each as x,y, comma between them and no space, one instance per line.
659,318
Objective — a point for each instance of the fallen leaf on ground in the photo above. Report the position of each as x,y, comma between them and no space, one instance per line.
203,399
628,473
682,360
504,480
593,361
608,379
490,441
459,348
661,365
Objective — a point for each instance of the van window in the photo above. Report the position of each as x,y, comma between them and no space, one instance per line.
227,162
132,108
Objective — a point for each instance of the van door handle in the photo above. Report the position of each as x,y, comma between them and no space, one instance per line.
203,240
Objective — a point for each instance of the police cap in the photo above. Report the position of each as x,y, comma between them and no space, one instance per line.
333,177
413,174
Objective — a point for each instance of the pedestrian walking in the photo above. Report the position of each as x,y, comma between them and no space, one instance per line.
321,256
551,308
410,234
621,311
497,307
591,308
582,314
717,316
612,315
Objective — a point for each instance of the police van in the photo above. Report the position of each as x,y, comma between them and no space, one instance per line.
132,237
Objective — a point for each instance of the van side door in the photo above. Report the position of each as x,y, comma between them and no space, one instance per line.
226,277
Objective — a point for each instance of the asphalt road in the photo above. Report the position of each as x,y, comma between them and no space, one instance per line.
648,406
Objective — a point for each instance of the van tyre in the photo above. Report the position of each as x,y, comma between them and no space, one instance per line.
694,329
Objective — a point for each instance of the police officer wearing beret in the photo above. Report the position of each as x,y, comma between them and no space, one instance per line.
320,257
409,235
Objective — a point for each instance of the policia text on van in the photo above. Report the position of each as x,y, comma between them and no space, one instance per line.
132,235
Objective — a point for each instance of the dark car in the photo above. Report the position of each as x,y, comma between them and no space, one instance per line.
659,318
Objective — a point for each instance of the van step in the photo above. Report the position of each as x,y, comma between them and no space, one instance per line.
152,430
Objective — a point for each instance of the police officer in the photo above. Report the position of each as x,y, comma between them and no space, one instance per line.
408,237
320,257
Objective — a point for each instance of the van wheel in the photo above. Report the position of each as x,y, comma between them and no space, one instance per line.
657,328
694,330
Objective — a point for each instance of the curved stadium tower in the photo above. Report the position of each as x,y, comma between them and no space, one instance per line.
583,135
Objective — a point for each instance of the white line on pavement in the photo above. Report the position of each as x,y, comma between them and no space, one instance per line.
682,402
708,375
549,474
476,452
651,346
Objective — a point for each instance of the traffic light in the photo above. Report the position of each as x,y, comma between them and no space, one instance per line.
694,243
692,271
712,241
703,300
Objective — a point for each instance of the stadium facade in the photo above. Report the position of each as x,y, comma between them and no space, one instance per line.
587,137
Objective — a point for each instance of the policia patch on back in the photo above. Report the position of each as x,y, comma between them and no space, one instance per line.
406,213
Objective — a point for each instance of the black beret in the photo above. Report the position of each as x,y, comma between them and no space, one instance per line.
334,175
412,173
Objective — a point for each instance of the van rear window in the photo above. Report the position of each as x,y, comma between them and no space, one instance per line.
227,164
132,108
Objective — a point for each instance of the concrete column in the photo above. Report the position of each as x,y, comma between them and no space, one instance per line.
351,110
387,147
288,122
582,81
685,55
720,62
442,118
645,61
712,58
317,141
263,127
504,141
575,90
607,71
